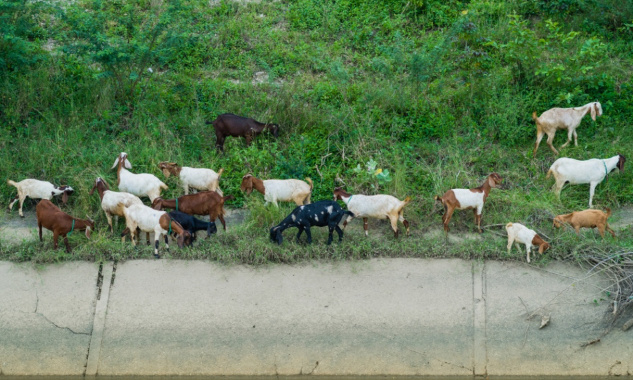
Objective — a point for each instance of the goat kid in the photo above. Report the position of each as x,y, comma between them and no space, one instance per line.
141,185
192,224
320,214
159,222
37,189
576,172
462,199
379,206
586,219
562,118
52,218
282,190
199,179
518,233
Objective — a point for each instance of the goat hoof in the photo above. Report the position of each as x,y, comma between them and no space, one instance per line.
156,256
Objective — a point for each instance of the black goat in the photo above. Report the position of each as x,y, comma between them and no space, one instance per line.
320,214
191,224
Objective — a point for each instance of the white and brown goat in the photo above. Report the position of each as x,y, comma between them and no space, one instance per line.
282,190
141,185
379,206
113,202
462,199
518,233
197,178
37,189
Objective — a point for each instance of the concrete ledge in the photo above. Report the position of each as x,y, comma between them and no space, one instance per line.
376,317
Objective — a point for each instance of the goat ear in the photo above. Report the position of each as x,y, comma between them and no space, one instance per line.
92,190
64,197
88,232
116,162
593,112
127,164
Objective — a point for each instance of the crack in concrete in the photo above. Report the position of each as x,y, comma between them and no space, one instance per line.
61,327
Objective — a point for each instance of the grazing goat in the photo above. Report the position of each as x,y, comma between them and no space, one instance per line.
52,218
283,190
562,118
320,214
591,171
203,203
37,189
159,222
112,202
462,199
379,206
229,124
199,179
141,185
586,219
518,233
192,224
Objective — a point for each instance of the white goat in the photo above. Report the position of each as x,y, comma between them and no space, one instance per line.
577,172
199,179
379,206
284,190
159,222
37,189
112,202
141,185
562,118
518,233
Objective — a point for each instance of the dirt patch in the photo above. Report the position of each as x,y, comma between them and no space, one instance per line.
15,230
621,218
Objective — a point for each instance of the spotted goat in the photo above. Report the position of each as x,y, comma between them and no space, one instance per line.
319,214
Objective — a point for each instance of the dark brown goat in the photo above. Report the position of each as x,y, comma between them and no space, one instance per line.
54,219
203,203
229,124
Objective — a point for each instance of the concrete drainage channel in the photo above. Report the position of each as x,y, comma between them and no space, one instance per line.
377,317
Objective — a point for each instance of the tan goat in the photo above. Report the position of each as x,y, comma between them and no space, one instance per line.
586,219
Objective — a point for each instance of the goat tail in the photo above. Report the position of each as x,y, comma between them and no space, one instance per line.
12,183
549,173
608,212
437,198
310,182
220,172
404,203
534,117
163,186
508,225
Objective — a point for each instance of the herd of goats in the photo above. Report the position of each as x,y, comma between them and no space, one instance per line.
209,200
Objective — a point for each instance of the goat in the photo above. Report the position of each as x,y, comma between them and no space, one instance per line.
577,172
284,190
159,222
320,214
462,199
229,124
52,218
518,233
112,202
203,203
37,189
586,219
199,179
141,185
562,118
379,206
192,224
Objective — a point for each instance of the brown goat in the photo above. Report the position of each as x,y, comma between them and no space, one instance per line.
462,199
586,219
203,203
52,218
229,124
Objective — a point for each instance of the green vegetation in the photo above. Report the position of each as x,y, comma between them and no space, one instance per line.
437,94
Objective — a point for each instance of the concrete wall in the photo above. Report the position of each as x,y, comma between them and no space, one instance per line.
383,316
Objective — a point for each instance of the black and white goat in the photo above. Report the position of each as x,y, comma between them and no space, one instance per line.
192,224
320,214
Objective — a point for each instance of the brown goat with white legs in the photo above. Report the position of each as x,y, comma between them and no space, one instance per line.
562,118
52,218
462,199
203,203
586,219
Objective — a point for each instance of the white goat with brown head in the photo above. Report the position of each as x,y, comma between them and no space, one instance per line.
37,189
199,179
